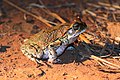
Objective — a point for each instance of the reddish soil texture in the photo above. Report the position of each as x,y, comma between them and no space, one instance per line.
15,66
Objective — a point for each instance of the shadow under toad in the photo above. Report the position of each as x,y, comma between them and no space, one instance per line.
80,53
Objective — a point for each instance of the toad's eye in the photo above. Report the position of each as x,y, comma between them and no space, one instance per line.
79,26
76,26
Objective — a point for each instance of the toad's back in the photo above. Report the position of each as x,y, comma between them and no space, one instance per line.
46,36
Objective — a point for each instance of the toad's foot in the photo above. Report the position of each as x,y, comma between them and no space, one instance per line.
41,63
54,61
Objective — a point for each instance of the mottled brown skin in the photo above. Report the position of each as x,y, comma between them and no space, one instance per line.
48,35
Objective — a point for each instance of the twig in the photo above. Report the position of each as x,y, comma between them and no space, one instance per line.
89,36
109,71
93,14
53,14
98,6
109,64
116,57
100,63
106,4
104,61
81,36
114,17
56,6
48,12
37,17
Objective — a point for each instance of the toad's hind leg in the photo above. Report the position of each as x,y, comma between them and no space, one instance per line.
27,52
30,53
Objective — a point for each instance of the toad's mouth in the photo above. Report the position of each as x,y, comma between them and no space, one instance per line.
76,34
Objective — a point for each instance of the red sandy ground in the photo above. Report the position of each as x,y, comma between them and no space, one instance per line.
15,66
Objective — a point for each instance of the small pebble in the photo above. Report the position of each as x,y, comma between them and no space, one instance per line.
64,74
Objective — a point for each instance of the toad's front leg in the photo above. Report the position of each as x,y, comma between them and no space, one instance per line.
52,53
